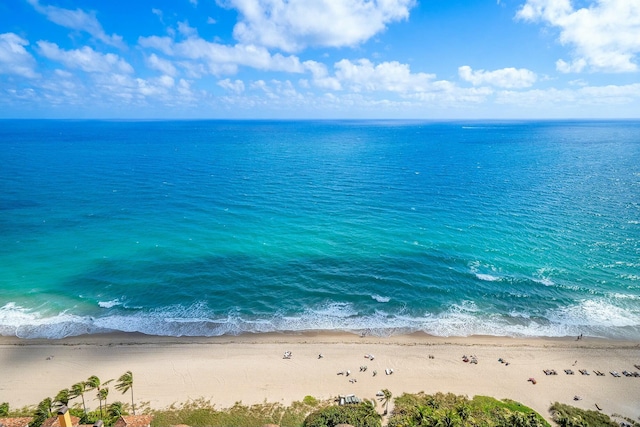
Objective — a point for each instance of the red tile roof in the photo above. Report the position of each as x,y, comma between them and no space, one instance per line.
134,421
15,422
54,422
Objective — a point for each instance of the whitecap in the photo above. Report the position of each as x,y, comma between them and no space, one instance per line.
487,277
380,298
110,304
597,313
474,268
544,281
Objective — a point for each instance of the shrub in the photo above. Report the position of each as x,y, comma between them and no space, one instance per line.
569,416
359,415
422,410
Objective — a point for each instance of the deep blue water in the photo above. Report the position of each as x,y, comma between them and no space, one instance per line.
211,227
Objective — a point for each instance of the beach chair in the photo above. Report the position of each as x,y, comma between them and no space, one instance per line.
584,372
568,371
615,374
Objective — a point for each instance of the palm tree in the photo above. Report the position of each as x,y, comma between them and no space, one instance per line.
42,412
115,409
125,383
102,394
386,397
463,413
63,397
92,383
78,389
447,419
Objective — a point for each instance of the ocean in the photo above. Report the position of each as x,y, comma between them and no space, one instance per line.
209,228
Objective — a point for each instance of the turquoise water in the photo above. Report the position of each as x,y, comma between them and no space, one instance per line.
206,228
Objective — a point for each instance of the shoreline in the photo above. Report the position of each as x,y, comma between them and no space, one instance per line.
317,337
250,368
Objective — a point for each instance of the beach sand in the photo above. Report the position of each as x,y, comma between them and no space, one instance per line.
251,368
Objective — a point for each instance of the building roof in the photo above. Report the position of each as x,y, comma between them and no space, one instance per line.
55,422
134,421
15,421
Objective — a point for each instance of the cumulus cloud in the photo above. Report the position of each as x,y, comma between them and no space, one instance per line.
563,98
78,20
605,36
162,65
510,78
14,58
85,59
321,76
236,86
291,25
363,75
222,59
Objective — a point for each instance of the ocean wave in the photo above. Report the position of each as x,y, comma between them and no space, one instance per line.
597,313
589,317
109,304
475,267
380,298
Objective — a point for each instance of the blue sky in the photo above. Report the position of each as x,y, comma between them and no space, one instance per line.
429,59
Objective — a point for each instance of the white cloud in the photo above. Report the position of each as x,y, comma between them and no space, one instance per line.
605,36
291,25
154,87
14,58
222,59
77,20
363,75
186,30
236,86
506,77
575,66
85,59
163,44
563,98
162,65
321,76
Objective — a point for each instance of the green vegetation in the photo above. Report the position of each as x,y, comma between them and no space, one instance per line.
125,383
422,410
385,399
48,407
201,413
568,416
359,415
410,410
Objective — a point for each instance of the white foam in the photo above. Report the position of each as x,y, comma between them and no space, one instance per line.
474,267
487,277
598,313
591,317
109,304
380,298
23,323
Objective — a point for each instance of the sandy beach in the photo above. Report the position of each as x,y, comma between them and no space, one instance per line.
251,368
